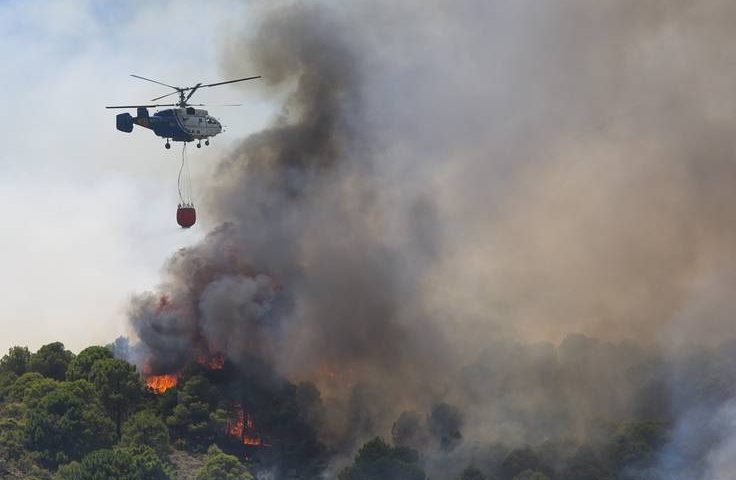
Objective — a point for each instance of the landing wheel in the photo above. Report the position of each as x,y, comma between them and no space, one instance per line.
207,142
167,145
199,145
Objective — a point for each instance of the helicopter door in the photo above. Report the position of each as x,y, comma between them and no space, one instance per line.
187,120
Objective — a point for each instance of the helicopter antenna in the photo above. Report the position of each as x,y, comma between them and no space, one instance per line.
182,91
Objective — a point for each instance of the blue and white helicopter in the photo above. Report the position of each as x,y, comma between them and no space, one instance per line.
182,124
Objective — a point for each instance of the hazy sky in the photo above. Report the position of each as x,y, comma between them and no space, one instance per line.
89,211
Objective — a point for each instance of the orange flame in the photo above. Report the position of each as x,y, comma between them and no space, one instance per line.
160,383
241,427
215,362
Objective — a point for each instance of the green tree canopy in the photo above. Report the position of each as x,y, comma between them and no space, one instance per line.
67,423
146,428
16,360
119,386
221,466
12,431
377,460
70,471
129,463
30,387
51,361
193,420
80,367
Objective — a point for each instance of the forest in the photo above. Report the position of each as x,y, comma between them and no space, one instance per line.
94,415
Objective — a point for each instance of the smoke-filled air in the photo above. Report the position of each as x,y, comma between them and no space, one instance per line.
500,236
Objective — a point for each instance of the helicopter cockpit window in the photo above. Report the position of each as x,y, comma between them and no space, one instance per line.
212,121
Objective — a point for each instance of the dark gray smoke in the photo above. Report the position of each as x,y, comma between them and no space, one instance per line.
450,191
303,273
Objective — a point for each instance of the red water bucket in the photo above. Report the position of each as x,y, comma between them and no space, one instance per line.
186,216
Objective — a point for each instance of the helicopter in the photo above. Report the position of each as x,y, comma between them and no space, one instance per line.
181,124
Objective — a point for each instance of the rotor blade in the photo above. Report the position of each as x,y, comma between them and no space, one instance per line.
155,81
162,96
194,89
144,106
230,81
214,104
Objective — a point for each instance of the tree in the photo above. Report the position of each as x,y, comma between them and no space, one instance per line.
129,463
146,428
531,475
445,423
521,460
16,360
636,444
51,361
409,431
192,420
377,460
67,423
119,387
221,466
12,431
472,473
70,471
586,464
80,367
30,387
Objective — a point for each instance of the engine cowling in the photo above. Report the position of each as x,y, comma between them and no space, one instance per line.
124,122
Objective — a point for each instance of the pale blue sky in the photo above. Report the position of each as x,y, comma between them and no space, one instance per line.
89,211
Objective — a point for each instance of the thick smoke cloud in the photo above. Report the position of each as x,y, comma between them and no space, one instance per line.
450,186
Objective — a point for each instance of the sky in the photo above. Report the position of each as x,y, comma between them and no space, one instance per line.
89,212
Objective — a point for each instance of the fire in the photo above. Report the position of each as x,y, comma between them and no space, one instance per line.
160,383
215,362
241,427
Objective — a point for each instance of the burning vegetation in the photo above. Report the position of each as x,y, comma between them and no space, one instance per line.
398,296
240,427
213,362
160,383
425,246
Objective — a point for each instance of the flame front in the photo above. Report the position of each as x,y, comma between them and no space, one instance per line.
160,383
241,427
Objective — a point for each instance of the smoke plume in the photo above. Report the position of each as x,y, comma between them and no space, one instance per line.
455,200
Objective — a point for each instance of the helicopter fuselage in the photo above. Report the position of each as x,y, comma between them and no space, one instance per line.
183,124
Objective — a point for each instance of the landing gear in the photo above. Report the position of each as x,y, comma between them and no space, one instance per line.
207,142
199,144
167,145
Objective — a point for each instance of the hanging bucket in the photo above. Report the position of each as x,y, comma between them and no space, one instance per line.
186,216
